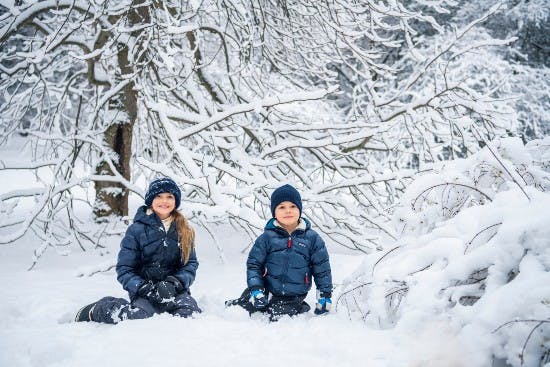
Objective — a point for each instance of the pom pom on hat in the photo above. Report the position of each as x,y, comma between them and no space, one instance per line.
285,193
160,185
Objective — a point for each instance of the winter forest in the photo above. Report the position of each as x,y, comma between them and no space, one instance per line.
417,131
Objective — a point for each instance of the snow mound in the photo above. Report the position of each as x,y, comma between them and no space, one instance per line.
473,257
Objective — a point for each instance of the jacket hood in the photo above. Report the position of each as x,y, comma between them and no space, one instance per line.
142,217
303,225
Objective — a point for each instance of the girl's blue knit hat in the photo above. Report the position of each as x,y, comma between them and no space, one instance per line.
285,193
160,185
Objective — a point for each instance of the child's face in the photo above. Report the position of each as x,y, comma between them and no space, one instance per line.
163,204
287,214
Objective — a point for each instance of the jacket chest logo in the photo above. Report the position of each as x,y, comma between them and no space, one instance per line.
299,243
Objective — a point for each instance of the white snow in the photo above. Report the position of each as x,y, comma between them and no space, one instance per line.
37,308
479,269
36,328
402,307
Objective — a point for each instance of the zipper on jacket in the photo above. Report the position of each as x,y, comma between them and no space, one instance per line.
165,237
307,279
165,231
289,243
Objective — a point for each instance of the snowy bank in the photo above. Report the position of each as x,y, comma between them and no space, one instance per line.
473,258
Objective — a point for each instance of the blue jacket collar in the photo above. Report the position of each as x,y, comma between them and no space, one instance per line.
303,225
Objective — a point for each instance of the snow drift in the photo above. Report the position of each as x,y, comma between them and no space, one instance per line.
473,257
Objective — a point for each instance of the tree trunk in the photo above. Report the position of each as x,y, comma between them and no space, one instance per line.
112,198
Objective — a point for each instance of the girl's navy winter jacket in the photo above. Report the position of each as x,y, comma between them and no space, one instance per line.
148,252
284,264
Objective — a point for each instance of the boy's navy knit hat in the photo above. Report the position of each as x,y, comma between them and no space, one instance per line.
285,193
160,185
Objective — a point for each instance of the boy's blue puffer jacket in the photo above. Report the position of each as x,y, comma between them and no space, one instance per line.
148,252
284,264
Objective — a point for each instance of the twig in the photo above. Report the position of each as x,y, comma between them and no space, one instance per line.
363,316
349,291
478,233
382,257
527,340
419,270
516,321
451,184
98,271
499,160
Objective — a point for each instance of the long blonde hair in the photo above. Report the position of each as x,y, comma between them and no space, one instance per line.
186,235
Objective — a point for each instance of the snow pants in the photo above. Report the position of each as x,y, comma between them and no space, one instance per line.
277,306
112,310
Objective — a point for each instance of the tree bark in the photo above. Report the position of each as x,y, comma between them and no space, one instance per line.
112,198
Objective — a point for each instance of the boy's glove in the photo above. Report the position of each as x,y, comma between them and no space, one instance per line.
258,299
323,303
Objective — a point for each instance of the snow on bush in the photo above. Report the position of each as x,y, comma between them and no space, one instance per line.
473,255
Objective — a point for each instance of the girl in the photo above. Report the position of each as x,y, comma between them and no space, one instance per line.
283,261
156,262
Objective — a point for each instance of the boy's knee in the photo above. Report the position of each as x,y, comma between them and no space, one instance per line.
290,306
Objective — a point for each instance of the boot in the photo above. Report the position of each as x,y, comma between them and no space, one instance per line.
304,307
85,313
232,302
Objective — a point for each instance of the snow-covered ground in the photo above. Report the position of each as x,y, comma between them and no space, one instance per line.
37,307
466,284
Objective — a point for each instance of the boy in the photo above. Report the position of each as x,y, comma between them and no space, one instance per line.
283,261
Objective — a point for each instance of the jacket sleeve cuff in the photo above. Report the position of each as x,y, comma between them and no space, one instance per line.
255,283
134,284
186,281
256,288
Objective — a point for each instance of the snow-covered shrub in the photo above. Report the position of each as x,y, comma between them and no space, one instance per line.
474,253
